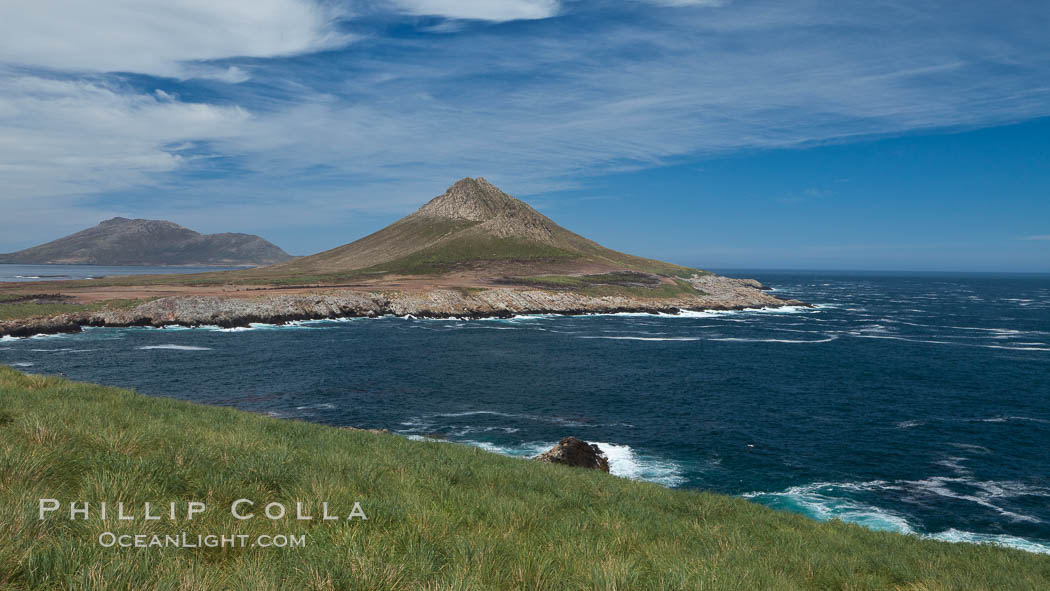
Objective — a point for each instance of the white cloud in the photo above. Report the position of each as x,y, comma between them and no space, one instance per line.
679,3
540,109
489,10
231,74
156,36
530,110
71,137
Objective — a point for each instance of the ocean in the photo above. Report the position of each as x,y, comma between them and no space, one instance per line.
917,403
20,273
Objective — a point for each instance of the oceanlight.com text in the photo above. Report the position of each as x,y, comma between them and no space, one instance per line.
184,540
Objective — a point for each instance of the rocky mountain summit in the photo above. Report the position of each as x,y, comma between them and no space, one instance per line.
495,213
123,241
477,229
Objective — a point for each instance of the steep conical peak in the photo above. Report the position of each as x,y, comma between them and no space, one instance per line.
473,228
470,199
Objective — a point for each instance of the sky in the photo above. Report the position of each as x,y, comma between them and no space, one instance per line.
717,133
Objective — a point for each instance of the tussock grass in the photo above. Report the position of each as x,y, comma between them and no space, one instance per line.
624,283
441,516
14,308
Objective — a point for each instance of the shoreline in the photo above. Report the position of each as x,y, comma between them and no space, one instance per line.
441,496
715,294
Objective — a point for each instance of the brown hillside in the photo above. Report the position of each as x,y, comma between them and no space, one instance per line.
473,227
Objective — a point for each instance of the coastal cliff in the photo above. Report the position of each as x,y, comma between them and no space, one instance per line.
711,293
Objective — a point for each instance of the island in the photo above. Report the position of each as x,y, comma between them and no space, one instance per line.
122,241
473,251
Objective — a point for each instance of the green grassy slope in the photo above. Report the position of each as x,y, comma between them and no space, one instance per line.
15,307
441,516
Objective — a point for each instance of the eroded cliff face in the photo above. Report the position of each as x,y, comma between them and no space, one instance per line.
720,293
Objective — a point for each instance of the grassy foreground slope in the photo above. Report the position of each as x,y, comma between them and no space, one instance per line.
441,516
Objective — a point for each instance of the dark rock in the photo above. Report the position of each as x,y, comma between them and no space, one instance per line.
574,452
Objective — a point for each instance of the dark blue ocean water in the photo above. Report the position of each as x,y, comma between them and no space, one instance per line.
917,403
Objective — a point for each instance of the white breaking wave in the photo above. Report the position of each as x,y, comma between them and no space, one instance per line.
696,314
175,348
291,325
327,320
63,350
622,338
470,413
623,460
1014,418
626,463
872,336
1015,348
521,450
822,501
819,502
321,406
790,341
910,424
972,448
783,310
954,535
21,364
681,314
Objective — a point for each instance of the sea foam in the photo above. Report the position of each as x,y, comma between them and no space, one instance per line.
789,341
824,501
624,461
630,338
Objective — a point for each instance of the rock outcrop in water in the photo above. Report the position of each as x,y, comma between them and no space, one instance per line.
577,453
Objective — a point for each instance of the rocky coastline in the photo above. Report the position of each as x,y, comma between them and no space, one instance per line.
715,293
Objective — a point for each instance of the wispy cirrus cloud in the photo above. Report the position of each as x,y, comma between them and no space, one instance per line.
538,106
69,136
489,10
680,3
157,36
379,124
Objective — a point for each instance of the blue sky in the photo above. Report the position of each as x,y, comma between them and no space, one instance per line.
719,133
